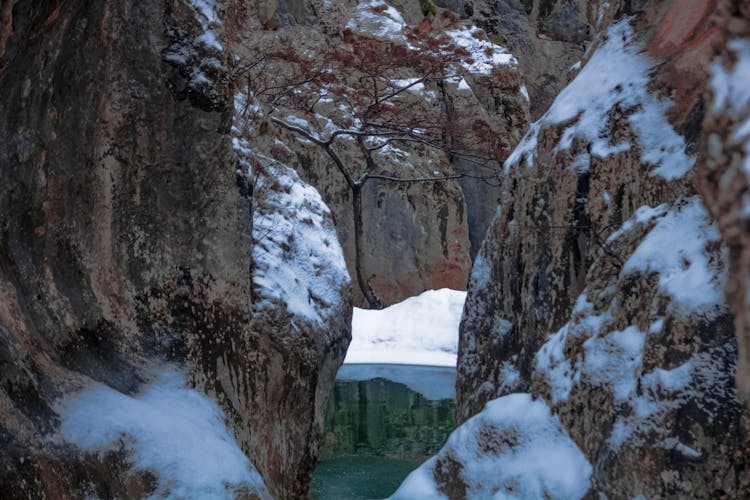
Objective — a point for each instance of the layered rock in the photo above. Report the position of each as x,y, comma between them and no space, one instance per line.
599,287
127,246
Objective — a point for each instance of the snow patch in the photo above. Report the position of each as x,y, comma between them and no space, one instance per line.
615,360
616,76
413,85
421,330
684,271
176,433
484,55
514,448
643,215
509,376
379,20
481,272
525,93
560,373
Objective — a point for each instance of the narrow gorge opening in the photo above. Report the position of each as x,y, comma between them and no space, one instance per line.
545,205
393,403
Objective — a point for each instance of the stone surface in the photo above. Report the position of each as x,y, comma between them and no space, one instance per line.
123,244
547,37
578,294
724,174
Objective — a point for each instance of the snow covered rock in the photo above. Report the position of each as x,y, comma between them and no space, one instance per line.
725,173
175,433
599,287
301,309
127,243
513,448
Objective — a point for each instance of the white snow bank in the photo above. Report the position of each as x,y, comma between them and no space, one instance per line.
617,75
379,20
177,433
684,271
297,259
433,382
421,330
529,455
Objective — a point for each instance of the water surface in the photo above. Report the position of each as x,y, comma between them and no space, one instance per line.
379,430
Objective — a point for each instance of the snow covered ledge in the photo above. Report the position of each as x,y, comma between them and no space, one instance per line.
413,343
421,330
176,433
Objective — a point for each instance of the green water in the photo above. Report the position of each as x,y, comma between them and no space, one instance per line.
377,432
359,477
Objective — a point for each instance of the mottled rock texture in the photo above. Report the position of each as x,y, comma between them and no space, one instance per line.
549,37
724,172
123,241
581,292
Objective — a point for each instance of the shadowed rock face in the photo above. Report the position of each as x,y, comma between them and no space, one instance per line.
724,172
547,36
121,243
564,280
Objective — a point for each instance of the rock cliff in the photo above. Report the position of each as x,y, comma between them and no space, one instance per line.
132,242
599,289
549,38
724,173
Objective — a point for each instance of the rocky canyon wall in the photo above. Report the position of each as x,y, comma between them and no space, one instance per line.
724,172
600,288
128,244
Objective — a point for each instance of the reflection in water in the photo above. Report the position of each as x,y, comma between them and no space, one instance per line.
377,431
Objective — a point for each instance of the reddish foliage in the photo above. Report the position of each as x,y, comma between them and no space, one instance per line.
366,77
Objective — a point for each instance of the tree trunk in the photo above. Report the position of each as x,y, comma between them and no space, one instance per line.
359,258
